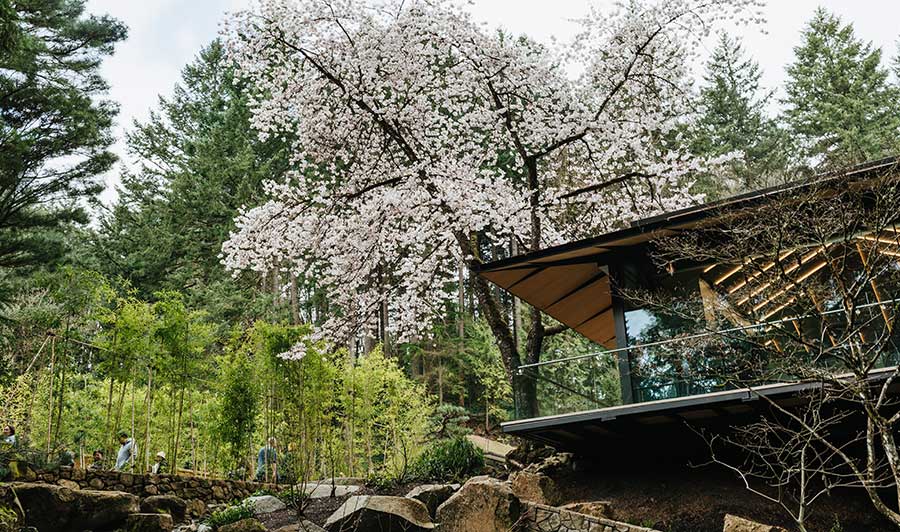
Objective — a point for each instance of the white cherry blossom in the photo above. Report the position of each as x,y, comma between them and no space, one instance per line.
416,129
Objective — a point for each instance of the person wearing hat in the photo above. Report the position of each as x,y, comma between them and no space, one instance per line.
126,451
159,465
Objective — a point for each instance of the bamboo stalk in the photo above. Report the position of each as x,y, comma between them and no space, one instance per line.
50,412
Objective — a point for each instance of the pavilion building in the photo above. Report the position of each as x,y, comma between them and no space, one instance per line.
675,373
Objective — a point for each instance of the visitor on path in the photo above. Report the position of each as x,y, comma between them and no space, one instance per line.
126,451
9,435
97,461
267,463
160,464
66,458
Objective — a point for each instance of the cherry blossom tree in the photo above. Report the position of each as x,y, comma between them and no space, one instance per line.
423,141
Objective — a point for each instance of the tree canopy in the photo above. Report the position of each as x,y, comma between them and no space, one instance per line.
55,126
840,106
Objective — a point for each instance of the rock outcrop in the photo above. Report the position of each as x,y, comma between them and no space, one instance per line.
535,487
322,489
167,504
601,509
433,495
149,522
483,504
378,513
51,507
265,504
734,523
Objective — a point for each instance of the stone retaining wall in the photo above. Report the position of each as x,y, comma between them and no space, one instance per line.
197,492
541,518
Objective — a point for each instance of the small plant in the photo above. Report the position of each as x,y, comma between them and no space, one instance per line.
448,422
381,480
229,515
837,526
8,519
447,460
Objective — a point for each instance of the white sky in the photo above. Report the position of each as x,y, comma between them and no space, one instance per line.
164,35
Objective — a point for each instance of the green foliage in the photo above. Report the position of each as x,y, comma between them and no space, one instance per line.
231,514
449,460
55,126
483,358
585,384
839,106
238,405
733,119
448,421
200,162
9,520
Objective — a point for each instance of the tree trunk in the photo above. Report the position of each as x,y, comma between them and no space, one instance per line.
178,428
133,435
107,448
148,402
295,307
50,413
193,441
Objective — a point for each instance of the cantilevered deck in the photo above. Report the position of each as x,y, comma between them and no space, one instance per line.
664,430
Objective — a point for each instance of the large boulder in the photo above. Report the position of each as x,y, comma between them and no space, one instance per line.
535,487
265,504
167,504
244,525
432,495
324,488
149,522
528,453
734,523
66,483
49,507
483,504
380,513
598,509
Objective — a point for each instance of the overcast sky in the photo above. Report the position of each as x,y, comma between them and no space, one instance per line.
164,35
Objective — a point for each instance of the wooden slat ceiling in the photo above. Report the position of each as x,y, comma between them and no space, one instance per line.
577,295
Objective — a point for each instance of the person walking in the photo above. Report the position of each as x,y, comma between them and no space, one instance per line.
159,464
126,451
267,463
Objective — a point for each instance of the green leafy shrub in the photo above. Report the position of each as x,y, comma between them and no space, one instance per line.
229,515
446,460
382,480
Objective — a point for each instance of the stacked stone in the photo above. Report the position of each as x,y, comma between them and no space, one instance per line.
198,492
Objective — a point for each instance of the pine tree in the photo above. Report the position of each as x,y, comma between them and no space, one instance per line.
733,119
54,123
199,162
839,106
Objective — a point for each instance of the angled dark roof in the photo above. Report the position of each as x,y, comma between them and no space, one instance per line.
569,283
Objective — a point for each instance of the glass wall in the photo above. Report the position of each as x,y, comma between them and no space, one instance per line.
709,328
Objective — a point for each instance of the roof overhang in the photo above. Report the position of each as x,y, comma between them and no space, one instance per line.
570,282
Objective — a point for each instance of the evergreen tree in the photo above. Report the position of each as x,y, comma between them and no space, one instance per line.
733,119
54,125
840,107
199,163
